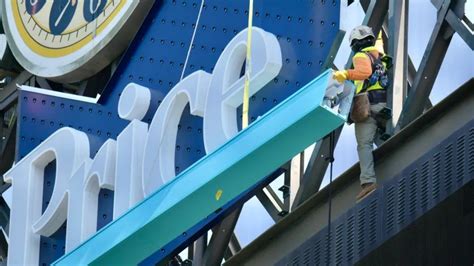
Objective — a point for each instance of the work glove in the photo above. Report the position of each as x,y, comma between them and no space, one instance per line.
340,75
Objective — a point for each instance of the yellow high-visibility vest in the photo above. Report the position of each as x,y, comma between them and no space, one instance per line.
360,83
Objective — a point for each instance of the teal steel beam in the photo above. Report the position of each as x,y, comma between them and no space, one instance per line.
216,179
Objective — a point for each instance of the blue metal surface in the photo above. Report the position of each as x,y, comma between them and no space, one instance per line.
392,207
233,168
155,58
55,244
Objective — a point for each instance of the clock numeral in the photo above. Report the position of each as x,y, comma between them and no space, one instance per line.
92,9
61,15
34,6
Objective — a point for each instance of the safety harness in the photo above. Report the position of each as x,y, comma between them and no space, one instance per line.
376,87
378,80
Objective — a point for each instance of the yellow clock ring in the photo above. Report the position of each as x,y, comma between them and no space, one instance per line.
58,52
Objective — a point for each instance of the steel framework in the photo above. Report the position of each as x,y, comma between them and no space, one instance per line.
415,178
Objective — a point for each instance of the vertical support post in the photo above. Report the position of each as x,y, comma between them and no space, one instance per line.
430,64
196,251
191,251
296,175
3,138
293,177
285,189
398,30
411,67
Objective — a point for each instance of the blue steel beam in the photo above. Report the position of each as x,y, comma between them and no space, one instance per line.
215,180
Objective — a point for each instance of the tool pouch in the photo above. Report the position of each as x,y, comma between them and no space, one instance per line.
360,108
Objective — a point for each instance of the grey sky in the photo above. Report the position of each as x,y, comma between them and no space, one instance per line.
456,69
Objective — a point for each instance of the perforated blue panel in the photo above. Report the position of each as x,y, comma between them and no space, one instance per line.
391,208
305,30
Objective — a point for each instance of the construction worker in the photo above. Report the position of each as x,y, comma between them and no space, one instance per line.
369,76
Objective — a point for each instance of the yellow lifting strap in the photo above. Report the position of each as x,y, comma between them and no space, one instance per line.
248,69
379,43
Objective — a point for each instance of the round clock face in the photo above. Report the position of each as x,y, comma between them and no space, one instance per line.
59,39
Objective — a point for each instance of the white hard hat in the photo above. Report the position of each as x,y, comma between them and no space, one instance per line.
360,32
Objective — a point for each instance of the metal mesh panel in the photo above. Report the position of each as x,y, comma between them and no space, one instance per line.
397,203
350,237
436,174
460,154
425,184
402,188
317,249
361,228
373,222
390,207
448,166
339,239
413,192
471,151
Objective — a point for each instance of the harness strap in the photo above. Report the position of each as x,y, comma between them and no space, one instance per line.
373,61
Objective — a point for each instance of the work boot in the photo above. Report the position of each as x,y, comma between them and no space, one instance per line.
367,188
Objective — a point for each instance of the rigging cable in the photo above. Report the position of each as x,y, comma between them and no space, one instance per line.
330,158
192,40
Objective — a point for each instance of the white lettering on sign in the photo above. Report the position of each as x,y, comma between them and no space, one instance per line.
158,161
139,161
26,178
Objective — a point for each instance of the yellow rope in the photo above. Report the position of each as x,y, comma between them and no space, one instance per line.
379,43
245,108
10,122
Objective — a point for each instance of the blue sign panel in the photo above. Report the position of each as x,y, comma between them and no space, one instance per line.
305,31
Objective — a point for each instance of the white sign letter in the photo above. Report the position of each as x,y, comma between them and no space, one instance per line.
158,162
69,148
226,91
